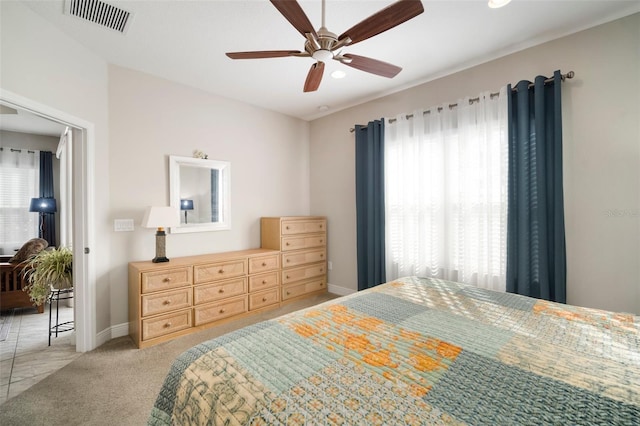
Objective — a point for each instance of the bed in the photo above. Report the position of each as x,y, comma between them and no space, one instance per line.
414,351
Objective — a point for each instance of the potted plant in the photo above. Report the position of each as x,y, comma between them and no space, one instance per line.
46,270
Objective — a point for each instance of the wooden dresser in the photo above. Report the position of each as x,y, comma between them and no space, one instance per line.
302,241
188,294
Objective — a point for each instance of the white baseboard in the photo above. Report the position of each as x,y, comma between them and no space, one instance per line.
340,291
111,333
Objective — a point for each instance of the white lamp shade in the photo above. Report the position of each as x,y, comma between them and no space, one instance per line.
161,217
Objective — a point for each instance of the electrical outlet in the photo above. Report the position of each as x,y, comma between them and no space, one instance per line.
330,265
123,225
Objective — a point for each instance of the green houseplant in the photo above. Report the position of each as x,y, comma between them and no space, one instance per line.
49,269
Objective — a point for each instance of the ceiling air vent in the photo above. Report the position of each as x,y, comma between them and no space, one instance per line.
100,13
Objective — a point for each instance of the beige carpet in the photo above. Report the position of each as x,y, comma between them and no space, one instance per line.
115,384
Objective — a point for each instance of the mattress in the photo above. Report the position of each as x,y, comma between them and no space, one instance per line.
414,351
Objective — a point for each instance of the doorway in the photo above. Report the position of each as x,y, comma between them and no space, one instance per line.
82,208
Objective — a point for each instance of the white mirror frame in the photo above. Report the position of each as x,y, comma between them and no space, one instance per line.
224,188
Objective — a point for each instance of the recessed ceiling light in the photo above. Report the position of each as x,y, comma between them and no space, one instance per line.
323,107
338,74
494,4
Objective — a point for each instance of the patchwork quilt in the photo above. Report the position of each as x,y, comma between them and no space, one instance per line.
414,351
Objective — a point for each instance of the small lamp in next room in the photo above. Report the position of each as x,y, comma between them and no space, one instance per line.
43,205
186,205
160,218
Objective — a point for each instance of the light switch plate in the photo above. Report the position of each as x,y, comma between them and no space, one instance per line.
123,225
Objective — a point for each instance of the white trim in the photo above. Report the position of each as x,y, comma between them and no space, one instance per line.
112,332
85,313
340,291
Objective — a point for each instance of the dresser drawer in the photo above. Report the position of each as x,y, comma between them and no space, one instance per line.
165,324
296,243
296,290
291,227
264,264
220,290
297,258
263,281
158,303
220,310
263,298
297,274
219,271
165,279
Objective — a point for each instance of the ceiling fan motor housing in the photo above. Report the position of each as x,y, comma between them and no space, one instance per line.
323,45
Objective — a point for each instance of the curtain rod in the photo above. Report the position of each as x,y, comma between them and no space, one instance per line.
563,77
17,150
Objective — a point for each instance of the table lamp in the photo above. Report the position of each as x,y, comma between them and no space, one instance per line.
42,206
186,205
160,218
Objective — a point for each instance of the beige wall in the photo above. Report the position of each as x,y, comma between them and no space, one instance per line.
42,64
151,118
601,116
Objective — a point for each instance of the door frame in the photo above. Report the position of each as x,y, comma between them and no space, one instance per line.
84,273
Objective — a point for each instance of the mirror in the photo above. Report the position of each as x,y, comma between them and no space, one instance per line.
201,190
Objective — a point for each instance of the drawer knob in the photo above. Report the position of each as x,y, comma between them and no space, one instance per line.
287,244
264,263
321,284
320,225
287,276
166,302
167,325
264,299
288,260
321,255
221,271
287,227
321,269
264,281
166,280
221,290
222,311
320,241
288,293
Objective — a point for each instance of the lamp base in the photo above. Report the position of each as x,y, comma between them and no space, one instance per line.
160,247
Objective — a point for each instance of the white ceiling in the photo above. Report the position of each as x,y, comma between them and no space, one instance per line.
18,120
186,41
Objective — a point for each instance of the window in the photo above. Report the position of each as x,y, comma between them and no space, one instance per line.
19,181
446,193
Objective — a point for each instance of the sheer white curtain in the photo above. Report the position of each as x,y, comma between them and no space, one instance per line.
19,182
446,192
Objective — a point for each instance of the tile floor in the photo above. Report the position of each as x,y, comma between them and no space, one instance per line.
25,357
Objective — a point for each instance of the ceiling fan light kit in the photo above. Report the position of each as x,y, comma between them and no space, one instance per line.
323,45
494,4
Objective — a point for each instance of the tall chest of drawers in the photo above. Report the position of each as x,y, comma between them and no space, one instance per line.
302,242
187,294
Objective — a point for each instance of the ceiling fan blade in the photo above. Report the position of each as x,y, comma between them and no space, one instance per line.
314,77
263,54
372,66
291,10
387,18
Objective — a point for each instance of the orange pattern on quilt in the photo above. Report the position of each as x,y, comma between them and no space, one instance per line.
371,341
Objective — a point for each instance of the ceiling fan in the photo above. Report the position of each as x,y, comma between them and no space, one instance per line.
323,45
